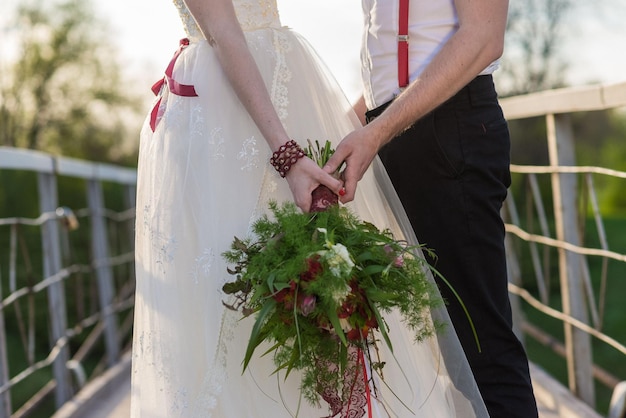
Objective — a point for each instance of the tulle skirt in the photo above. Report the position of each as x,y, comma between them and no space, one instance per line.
203,179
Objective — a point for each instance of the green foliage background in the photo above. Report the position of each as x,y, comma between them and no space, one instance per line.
64,93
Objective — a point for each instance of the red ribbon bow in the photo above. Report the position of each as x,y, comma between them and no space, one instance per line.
184,90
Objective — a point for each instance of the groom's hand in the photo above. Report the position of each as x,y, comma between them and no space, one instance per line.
357,150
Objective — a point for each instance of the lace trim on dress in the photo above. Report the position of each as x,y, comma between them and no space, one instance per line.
189,23
216,142
203,265
215,378
256,14
282,75
249,154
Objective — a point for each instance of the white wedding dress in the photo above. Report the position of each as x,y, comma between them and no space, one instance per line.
204,177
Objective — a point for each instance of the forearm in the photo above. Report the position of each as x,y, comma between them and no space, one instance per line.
360,108
217,20
250,88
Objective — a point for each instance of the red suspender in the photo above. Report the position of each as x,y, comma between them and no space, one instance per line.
403,44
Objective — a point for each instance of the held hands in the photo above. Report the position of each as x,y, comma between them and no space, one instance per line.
304,177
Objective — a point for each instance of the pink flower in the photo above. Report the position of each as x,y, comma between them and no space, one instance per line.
398,260
308,305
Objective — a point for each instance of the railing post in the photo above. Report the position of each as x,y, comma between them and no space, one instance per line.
5,397
104,274
564,188
50,242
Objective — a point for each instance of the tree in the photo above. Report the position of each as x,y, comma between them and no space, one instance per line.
64,92
531,61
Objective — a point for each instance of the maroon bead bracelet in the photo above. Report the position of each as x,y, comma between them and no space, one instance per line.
286,156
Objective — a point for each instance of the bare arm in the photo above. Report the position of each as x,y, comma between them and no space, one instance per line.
478,42
360,109
218,22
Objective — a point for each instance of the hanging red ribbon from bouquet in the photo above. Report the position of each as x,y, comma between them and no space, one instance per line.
365,381
356,385
184,90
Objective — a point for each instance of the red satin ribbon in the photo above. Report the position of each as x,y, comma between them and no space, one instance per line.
367,386
174,87
403,44
356,387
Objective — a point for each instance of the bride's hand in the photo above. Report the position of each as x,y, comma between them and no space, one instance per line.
304,177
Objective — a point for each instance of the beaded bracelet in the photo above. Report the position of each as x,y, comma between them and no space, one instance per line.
286,156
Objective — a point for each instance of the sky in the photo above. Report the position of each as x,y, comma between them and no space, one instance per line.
150,40
146,33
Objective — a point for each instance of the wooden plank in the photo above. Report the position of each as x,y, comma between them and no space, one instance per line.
75,168
97,171
554,400
564,189
5,397
565,100
28,160
50,242
117,174
104,273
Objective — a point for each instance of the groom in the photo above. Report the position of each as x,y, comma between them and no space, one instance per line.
435,121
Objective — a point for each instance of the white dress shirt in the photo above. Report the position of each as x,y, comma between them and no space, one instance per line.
431,24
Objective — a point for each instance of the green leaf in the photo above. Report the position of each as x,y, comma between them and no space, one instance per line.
270,281
378,296
256,336
343,358
234,287
260,291
293,361
364,256
239,245
467,314
373,269
382,327
334,320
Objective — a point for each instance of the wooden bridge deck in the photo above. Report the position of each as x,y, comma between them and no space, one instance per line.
109,397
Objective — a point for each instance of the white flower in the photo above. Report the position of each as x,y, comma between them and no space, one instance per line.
340,293
345,325
338,257
340,264
339,261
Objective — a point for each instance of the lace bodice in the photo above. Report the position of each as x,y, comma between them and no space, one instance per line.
252,14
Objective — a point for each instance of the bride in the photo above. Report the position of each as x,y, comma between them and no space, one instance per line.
236,90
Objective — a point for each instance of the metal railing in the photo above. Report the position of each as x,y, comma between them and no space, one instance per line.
52,267
543,235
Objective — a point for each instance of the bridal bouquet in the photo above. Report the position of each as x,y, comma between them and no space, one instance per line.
319,285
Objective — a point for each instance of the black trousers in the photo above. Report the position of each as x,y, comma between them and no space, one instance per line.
451,172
